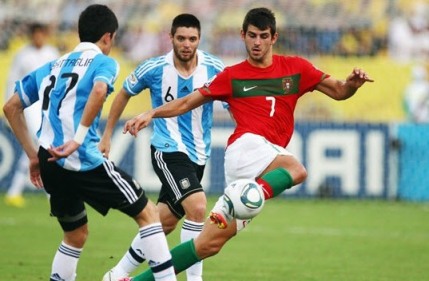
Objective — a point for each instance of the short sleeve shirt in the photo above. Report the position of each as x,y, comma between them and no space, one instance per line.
262,100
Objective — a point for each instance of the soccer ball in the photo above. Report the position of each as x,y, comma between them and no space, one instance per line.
244,198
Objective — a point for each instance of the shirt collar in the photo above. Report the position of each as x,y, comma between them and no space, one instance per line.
86,46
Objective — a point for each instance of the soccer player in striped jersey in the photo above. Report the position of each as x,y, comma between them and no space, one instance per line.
180,146
69,164
262,92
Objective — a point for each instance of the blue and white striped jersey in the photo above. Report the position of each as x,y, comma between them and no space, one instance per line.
64,86
191,132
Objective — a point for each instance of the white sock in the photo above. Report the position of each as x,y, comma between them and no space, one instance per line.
155,248
190,230
131,260
65,262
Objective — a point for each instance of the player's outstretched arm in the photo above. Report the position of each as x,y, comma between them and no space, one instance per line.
341,90
171,109
141,121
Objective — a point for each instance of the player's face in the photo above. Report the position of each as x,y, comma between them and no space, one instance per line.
185,43
39,38
258,43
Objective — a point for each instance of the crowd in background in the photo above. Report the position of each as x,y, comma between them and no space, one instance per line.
307,27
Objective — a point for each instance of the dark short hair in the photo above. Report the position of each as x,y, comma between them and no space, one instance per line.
95,21
185,20
262,18
37,26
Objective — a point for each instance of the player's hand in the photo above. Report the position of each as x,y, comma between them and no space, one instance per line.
35,177
104,146
357,78
139,122
63,151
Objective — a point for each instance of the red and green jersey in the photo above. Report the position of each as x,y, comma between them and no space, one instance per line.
263,100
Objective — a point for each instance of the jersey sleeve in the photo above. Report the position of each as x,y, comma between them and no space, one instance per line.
136,81
107,72
218,87
312,76
28,87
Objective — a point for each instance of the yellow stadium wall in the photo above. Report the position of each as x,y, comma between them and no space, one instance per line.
380,101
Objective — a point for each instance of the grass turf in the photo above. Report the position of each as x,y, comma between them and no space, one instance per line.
293,239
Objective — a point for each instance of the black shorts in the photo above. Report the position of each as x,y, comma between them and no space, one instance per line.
103,188
180,177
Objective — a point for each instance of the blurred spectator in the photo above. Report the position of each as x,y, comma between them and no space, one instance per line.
356,41
408,35
69,12
313,27
400,43
139,43
230,44
30,57
416,96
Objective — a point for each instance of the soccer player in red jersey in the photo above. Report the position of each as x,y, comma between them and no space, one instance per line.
262,93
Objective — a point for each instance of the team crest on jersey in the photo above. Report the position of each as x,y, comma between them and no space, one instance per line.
287,84
132,79
185,183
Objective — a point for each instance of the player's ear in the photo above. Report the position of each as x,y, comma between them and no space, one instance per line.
242,34
106,42
107,38
274,39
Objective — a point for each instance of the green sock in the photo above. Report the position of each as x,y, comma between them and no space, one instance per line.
183,256
275,182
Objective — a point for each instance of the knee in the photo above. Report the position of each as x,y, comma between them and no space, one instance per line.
168,228
151,210
195,207
77,237
197,213
168,224
148,215
299,174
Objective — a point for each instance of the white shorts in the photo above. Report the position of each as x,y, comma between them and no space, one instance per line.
248,156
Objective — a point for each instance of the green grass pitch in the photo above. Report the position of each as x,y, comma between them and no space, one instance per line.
292,239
